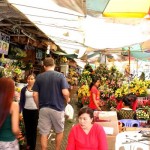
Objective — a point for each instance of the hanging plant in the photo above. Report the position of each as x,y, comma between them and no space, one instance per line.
63,59
17,53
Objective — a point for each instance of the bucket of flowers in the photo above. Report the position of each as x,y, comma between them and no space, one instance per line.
111,103
143,116
83,95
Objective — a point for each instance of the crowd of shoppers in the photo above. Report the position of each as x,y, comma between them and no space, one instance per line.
42,103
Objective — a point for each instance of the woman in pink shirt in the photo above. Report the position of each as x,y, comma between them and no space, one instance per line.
86,135
95,95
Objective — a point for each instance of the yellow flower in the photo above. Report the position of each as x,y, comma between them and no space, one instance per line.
18,89
83,91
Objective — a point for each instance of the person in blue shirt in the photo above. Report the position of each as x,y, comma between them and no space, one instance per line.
51,95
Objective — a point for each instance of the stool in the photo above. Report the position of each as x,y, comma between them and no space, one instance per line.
130,122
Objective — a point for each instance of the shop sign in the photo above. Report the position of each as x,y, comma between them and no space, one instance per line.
39,54
4,43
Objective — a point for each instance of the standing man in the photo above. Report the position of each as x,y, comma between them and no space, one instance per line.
50,95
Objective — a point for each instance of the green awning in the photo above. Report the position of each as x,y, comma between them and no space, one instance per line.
64,54
137,52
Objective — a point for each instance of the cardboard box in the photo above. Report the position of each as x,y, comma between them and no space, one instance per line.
107,119
111,140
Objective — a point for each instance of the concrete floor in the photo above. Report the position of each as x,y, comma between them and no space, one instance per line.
68,125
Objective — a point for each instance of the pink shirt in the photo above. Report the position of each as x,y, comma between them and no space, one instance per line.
97,93
94,140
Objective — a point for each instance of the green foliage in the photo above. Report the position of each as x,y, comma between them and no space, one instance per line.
86,76
17,53
88,67
20,64
142,76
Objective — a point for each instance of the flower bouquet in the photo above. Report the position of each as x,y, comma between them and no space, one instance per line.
85,78
21,137
138,87
83,94
63,59
142,115
111,103
120,92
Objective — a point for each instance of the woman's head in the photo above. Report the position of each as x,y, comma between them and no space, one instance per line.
132,97
85,116
7,89
126,101
31,79
95,81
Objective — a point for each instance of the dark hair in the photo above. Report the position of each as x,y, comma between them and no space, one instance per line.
94,80
48,61
86,110
7,90
132,97
126,101
32,74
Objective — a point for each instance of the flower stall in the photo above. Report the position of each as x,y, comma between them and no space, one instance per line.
136,86
113,85
111,79
85,80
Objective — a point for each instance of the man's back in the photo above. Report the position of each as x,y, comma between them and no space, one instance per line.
49,85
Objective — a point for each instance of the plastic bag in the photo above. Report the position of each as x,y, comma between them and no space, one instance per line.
69,111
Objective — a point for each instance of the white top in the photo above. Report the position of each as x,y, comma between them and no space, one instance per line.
29,103
126,108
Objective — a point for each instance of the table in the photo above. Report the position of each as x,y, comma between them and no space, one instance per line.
111,139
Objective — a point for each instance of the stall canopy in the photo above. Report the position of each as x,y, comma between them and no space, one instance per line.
77,24
118,8
137,52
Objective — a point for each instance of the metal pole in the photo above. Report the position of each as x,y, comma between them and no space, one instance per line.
129,54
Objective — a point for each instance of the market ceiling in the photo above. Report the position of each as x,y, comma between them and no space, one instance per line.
84,26
20,29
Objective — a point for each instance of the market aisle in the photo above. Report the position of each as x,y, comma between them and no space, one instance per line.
68,125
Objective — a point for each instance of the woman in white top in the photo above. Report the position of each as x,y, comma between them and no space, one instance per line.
30,112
